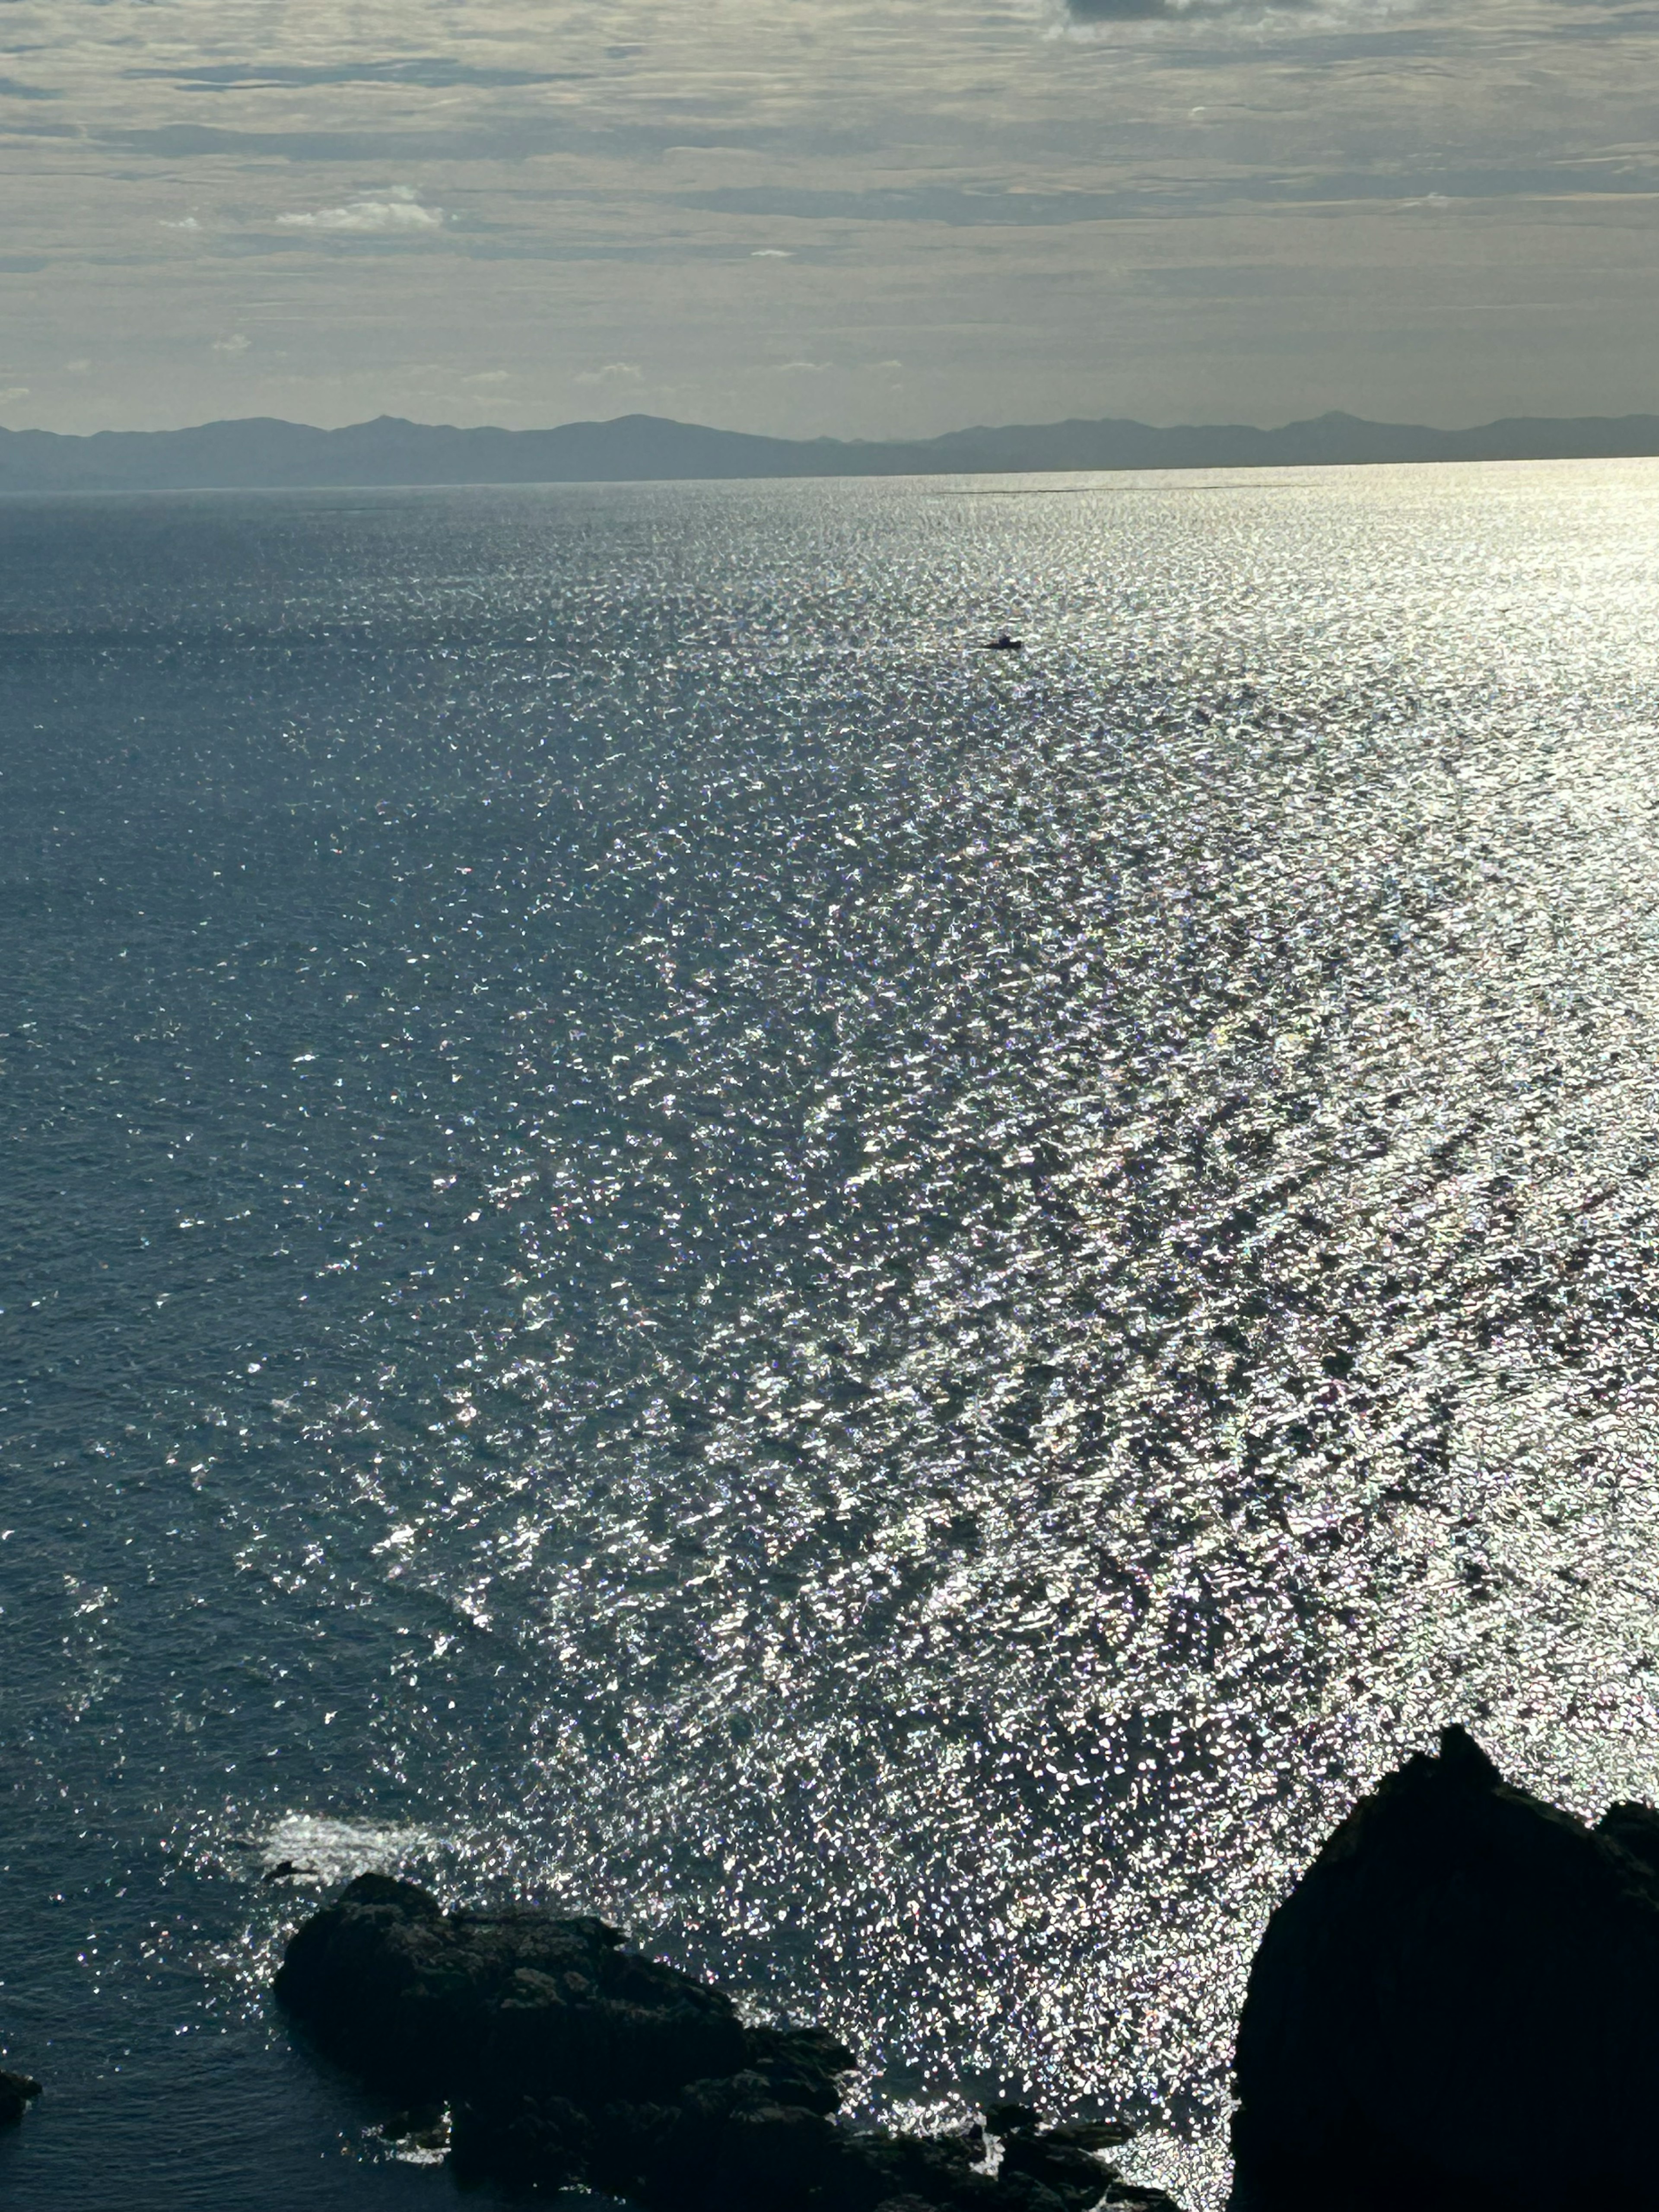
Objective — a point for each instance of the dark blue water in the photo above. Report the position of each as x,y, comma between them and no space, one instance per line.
670,1243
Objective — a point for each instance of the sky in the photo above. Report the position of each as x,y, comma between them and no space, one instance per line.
864,218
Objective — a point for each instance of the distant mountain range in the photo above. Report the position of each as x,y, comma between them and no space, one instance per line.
264,453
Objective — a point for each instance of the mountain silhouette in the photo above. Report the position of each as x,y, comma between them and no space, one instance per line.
262,453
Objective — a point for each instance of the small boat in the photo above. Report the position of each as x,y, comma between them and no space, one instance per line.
1003,644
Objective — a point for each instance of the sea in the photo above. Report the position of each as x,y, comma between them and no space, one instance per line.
672,1242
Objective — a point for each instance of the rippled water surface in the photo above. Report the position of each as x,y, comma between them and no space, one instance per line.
674,1243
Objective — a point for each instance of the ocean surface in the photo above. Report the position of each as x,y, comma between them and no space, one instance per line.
671,1242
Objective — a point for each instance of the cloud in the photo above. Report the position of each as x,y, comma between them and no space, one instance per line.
81,368
508,136
959,205
237,342
429,72
14,391
800,368
490,376
184,222
402,211
771,253
1087,12
614,372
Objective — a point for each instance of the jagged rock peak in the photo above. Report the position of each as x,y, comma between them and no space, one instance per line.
1457,2006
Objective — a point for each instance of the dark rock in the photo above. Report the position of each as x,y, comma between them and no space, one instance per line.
1634,1829
524,2142
17,2093
468,2004
1458,2005
569,2060
1011,2120
1092,2135
776,2154
1071,2173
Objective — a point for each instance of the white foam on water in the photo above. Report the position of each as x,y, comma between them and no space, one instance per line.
338,1850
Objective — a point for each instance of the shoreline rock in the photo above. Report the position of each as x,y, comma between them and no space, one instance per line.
17,2093
1457,2005
567,2060
1456,2010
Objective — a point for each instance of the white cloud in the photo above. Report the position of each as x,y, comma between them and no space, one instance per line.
801,368
185,222
78,368
614,372
772,253
237,342
14,391
401,212
490,376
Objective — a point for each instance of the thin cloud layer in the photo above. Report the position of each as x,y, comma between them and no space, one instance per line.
1095,12
429,72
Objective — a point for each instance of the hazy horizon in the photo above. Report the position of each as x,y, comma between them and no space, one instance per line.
645,415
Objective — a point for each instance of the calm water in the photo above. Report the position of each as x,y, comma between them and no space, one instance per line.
672,1243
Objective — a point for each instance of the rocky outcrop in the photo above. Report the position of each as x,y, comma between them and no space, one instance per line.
568,2060
17,2093
1458,2005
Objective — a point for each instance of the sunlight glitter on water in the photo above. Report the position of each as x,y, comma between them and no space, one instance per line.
893,1319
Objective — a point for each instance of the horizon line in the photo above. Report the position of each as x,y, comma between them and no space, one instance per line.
1330,414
